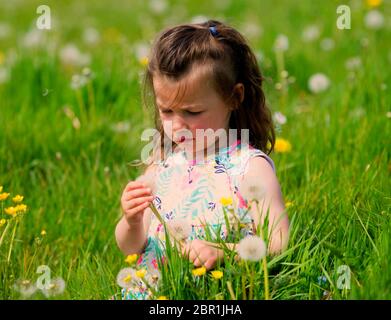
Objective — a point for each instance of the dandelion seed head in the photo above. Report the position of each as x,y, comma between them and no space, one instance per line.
126,277
180,227
281,43
56,287
251,248
251,188
374,20
318,83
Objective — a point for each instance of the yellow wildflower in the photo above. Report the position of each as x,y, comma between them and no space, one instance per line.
43,233
4,196
17,199
144,61
162,298
199,271
288,204
374,3
141,273
11,211
131,258
21,208
226,201
282,145
2,222
216,274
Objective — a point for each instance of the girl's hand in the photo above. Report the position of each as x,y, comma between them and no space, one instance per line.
202,253
136,197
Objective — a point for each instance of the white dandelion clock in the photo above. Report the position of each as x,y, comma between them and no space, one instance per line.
374,19
91,36
251,248
33,38
141,50
251,188
353,63
158,6
55,288
149,180
25,287
318,83
327,44
71,55
281,43
279,118
311,33
152,277
180,228
126,278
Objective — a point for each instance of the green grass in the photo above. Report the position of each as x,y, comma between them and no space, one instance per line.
337,174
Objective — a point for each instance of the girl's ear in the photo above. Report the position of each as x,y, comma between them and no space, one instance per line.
238,94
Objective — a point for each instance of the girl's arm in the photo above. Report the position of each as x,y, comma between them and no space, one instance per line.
132,238
272,200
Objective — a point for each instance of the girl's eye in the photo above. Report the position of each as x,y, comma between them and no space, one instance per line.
194,113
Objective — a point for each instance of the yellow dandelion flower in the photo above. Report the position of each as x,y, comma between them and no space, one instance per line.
2,222
282,145
131,258
288,204
199,271
226,201
11,211
374,3
141,273
144,61
216,274
21,208
17,199
43,233
162,298
4,196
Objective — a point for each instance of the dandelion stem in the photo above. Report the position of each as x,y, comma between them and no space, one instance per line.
231,291
3,235
12,241
266,277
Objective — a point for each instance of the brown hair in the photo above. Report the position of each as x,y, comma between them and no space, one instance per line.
231,61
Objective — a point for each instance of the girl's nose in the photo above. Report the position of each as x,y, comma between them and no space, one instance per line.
178,124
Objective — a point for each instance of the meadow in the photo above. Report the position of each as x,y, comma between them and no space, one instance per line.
71,117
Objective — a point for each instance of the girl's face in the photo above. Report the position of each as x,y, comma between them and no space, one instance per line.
199,107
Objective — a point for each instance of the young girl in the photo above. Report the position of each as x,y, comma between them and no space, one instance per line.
202,76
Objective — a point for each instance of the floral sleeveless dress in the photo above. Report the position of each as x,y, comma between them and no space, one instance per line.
192,191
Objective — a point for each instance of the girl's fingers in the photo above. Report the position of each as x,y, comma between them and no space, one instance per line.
198,262
138,208
209,264
134,185
132,204
137,193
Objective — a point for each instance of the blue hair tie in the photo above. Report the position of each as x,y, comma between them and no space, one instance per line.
213,31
